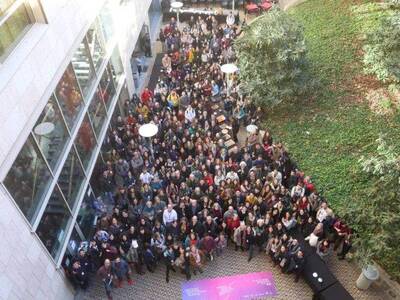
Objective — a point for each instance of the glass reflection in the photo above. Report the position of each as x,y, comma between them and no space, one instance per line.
97,111
116,65
53,225
71,179
107,87
85,142
96,45
11,30
87,213
84,70
106,19
51,133
28,180
69,96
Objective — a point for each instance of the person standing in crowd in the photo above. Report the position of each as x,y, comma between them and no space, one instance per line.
106,274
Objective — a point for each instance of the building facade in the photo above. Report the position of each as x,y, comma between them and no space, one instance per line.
65,72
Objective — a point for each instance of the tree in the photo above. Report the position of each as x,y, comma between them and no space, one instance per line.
272,59
394,3
375,214
382,50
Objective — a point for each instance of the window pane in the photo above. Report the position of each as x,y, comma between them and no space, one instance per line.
53,225
116,65
4,5
73,243
85,142
83,68
6,39
106,20
51,133
97,111
69,97
13,28
28,180
71,179
107,87
96,45
18,21
87,214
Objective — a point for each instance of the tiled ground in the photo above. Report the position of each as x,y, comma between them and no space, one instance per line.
153,286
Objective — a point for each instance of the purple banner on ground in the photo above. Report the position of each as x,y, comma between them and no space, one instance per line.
245,286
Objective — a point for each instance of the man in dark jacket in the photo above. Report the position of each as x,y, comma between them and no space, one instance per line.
106,275
121,269
80,275
169,258
296,264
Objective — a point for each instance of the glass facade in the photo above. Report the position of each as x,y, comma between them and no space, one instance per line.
107,88
69,97
97,111
54,222
117,68
85,142
28,180
83,67
14,25
49,179
51,133
87,214
96,44
106,20
71,179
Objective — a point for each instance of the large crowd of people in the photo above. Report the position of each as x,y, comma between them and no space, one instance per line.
183,198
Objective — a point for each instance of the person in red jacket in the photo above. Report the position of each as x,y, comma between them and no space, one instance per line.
146,96
232,224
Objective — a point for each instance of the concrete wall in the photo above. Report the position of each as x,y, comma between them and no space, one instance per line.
27,79
27,270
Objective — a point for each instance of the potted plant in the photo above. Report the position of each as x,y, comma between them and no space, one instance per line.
369,272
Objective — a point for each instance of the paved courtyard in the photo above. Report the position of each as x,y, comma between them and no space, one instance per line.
153,286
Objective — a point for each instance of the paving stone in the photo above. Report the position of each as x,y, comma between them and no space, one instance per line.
153,285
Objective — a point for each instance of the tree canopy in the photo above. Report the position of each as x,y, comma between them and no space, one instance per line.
375,214
272,59
382,50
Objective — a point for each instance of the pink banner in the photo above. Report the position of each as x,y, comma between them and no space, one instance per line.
245,286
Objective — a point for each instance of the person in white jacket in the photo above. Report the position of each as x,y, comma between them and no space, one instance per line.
190,113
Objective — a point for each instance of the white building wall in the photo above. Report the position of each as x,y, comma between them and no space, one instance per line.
27,79
28,272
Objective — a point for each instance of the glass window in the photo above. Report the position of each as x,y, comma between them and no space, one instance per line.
98,169
85,142
5,4
14,27
69,97
54,223
96,45
87,213
107,87
106,20
97,111
28,180
74,243
116,65
83,67
71,179
51,133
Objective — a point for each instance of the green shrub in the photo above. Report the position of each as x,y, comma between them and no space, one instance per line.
382,50
272,58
